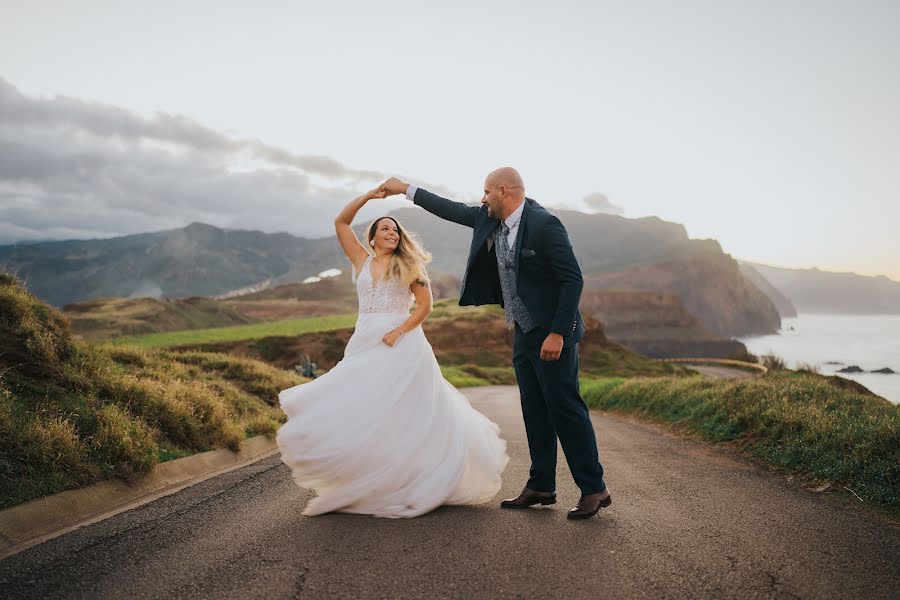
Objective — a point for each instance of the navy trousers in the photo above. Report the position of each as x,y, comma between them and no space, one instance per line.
553,408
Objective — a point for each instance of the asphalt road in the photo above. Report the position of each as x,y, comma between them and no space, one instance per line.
688,520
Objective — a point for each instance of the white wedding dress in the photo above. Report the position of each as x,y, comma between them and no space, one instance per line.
383,432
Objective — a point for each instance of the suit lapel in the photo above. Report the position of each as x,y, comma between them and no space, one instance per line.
483,234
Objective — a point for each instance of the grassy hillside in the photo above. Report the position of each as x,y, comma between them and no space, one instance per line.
287,327
472,344
72,412
105,318
102,318
799,421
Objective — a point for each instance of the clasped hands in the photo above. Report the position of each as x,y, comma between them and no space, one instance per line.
390,187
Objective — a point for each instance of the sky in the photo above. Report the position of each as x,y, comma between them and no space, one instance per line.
771,126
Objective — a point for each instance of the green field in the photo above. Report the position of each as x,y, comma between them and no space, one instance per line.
235,333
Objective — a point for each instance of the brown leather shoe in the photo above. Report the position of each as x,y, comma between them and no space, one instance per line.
529,498
590,505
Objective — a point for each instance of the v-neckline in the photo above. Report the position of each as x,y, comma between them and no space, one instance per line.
372,275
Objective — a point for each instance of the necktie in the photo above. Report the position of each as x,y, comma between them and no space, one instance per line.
504,244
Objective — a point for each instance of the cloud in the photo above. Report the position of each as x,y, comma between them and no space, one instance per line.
76,169
599,203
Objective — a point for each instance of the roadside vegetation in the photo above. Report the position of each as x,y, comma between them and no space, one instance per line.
72,412
796,420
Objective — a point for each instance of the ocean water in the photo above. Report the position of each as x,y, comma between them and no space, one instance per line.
868,341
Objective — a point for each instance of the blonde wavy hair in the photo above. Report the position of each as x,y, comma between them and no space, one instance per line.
407,262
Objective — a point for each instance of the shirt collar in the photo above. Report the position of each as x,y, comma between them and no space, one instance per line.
514,216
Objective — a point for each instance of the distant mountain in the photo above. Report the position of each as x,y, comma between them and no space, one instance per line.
196,260
201,260
816,291
782,303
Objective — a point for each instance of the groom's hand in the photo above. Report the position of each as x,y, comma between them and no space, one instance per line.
552,347
394,186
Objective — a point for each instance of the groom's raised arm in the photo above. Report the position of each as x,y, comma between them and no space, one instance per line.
443,208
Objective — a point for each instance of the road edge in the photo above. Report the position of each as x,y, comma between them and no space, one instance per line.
42,519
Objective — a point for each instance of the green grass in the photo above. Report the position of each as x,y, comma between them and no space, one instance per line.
612,360
797,421
449,308
286,327
470,375
118,411
73,412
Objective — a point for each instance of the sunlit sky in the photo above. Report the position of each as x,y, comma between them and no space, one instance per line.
772,126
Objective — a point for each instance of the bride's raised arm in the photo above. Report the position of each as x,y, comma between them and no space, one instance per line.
354,248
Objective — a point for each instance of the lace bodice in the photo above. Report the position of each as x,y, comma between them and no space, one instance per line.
385,296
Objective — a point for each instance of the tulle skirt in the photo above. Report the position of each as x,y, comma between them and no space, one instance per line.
383,433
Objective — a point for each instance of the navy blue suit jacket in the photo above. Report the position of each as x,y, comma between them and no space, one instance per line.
548,276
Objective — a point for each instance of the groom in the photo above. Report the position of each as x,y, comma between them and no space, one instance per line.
521,258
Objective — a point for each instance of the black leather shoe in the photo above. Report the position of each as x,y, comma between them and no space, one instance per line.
529,498
590,505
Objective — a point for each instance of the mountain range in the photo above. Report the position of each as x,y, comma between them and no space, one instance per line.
616,254
646,254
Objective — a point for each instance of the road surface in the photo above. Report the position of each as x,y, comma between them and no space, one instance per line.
688,520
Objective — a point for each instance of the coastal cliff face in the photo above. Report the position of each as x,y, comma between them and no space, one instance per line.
655,324
708,283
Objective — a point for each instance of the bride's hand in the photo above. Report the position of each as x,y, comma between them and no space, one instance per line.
392,336
378,192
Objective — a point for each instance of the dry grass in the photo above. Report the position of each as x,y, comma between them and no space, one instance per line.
72,412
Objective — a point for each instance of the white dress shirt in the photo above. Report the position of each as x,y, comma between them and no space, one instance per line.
512,221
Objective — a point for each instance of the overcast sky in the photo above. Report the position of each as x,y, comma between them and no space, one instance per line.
771,126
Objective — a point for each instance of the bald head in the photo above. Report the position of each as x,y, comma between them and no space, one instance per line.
508,177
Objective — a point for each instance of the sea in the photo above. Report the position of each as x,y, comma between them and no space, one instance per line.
833,342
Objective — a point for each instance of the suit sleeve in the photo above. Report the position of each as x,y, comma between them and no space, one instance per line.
568,273
447,209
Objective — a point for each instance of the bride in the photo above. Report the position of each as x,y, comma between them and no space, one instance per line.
383,433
